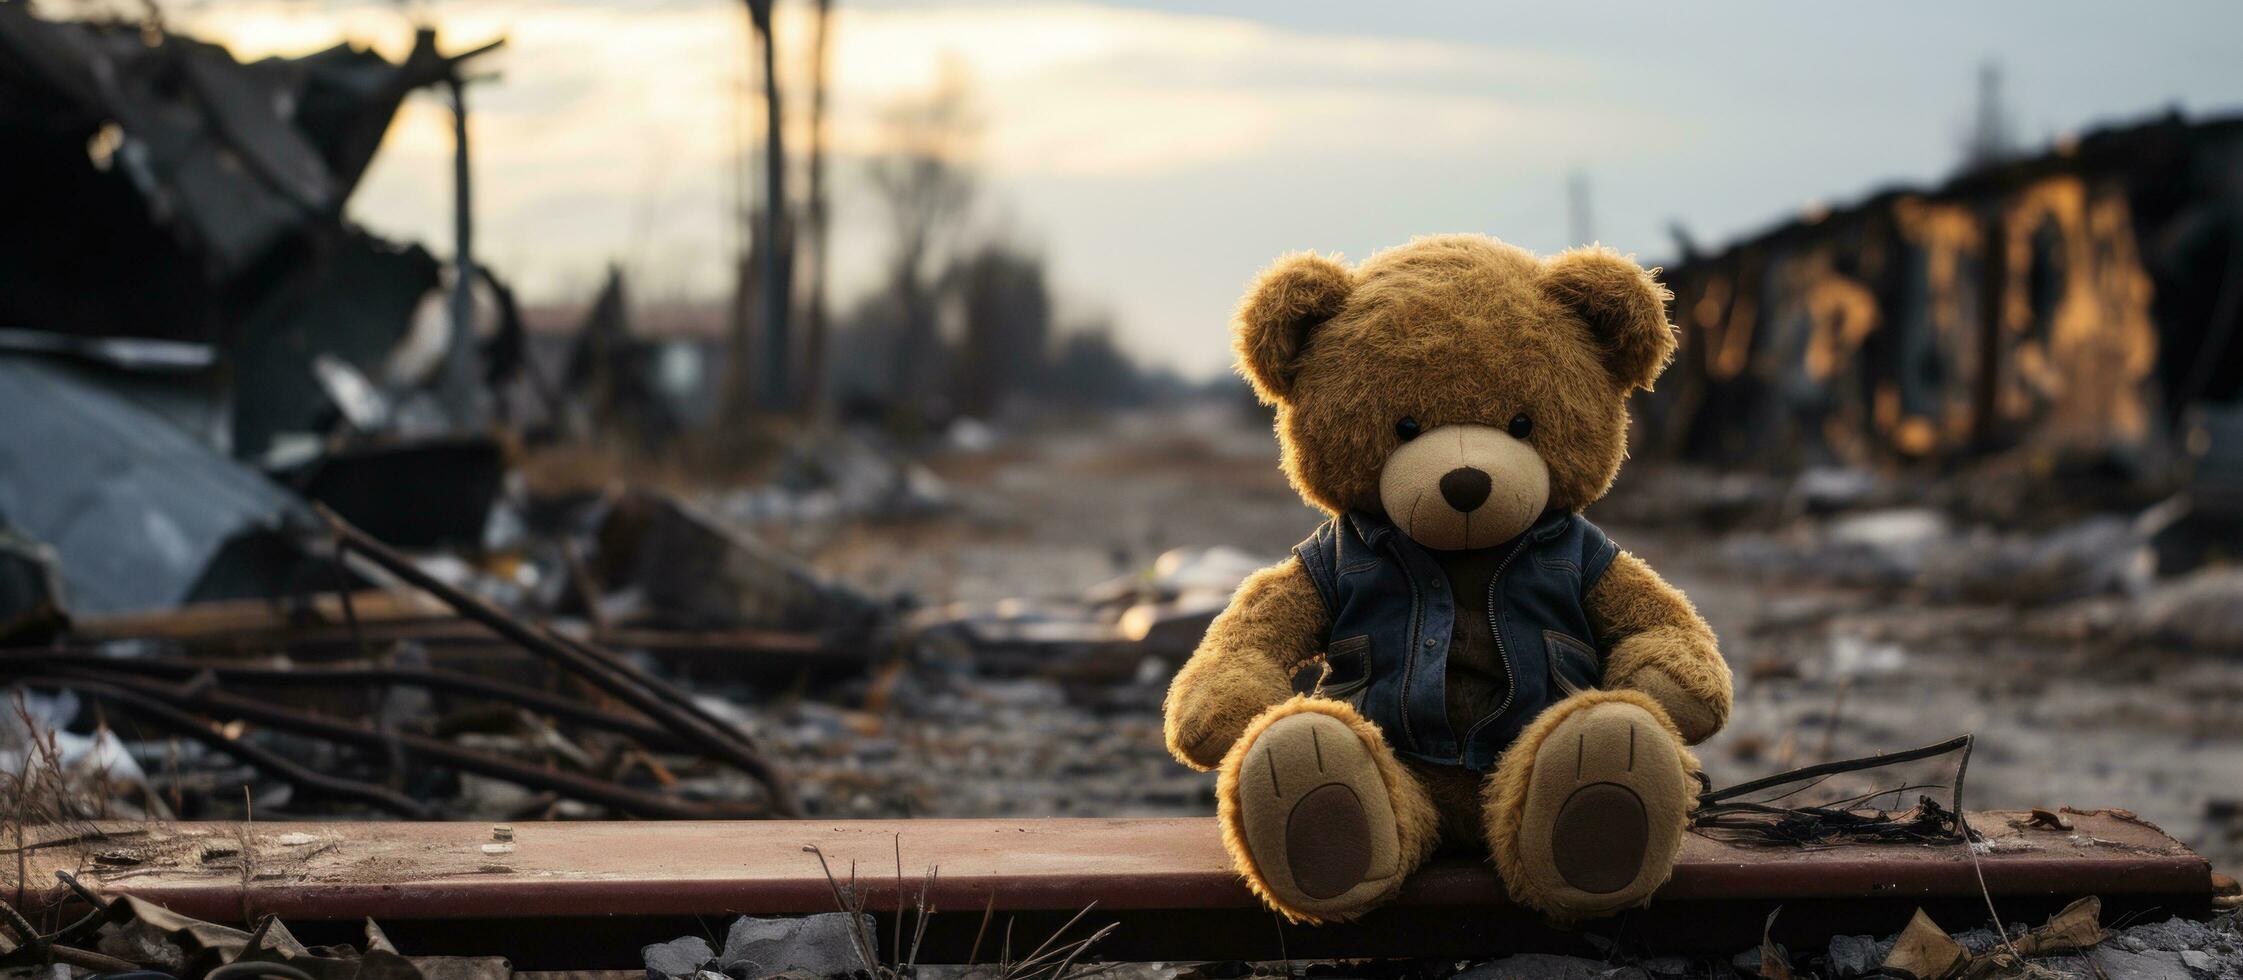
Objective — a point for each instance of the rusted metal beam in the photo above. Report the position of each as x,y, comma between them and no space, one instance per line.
651,695
1167,880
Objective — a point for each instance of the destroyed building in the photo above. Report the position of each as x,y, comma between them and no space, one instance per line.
2080,306
174,249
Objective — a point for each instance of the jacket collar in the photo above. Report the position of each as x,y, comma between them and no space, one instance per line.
1375,529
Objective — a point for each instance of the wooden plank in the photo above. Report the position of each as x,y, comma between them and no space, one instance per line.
353,870
587,895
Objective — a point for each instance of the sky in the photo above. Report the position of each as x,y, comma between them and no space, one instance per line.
1159,153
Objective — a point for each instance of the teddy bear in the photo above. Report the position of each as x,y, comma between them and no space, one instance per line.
1497,674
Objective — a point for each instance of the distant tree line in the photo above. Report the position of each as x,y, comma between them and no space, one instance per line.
965,325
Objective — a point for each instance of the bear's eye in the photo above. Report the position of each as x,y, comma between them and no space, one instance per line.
1521,425
1407,428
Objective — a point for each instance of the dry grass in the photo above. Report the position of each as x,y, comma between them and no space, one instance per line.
1051,960
40,802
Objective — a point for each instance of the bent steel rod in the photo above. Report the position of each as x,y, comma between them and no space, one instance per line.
651,695
430,678
156,712
569,784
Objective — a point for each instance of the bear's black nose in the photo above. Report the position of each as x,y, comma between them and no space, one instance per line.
1464,488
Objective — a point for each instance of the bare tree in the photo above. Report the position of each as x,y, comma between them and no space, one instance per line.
771,249
926,182
1008,306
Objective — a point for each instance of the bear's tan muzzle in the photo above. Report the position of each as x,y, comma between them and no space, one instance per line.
1456,487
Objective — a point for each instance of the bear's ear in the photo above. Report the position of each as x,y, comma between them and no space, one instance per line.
1624,307
1272,325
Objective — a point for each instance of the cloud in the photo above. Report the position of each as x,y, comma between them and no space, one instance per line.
611,130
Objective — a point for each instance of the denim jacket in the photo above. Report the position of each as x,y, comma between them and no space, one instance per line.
1392,619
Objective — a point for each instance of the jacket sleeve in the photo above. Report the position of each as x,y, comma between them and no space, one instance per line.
1656,643
1275,623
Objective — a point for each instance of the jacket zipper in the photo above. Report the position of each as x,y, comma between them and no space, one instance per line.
1510,673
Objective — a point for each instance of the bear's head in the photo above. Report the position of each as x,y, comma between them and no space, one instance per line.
1458,385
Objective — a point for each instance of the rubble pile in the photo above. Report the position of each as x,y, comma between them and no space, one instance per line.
2072,944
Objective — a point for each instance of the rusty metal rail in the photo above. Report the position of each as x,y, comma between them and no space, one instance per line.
586,895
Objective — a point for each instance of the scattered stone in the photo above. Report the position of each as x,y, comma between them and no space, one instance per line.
1545,966
1983,940
2171,935
1852,956
1747,962
1671,966
819,945
2118,964
683,957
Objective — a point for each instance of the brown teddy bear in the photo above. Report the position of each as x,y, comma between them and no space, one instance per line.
1497,673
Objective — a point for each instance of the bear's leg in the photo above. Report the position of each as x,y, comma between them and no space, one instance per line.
1586,811
1318,815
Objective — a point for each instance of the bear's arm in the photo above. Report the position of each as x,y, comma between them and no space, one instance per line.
1658,644
1274,624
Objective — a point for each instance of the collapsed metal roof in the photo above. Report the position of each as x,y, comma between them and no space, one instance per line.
177,194
138,512
233,158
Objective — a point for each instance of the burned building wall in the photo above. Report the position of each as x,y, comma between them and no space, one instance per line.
2067,307
160,188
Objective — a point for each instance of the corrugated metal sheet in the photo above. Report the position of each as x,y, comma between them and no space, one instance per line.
135,508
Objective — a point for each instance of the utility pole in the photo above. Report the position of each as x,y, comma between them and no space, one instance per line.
460,386
1577,207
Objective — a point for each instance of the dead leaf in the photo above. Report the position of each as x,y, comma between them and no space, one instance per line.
1925,951
2049,820
2078,926
1775,963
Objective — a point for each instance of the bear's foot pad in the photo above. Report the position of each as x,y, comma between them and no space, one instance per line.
1605,809
1600,838
1318,823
